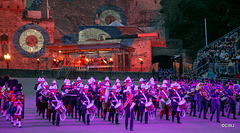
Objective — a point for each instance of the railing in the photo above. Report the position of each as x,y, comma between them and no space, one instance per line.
229,33
225,68
200,70
214,42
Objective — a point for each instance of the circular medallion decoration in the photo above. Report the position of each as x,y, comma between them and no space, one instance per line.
29,40
108,14
92,34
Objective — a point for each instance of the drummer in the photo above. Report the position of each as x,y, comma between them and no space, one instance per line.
54,98
164,94
114,99
144,97
86,98
175,97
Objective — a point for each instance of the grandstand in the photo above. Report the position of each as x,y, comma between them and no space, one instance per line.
221,57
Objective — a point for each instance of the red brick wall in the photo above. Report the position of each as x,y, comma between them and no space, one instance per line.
143,50
9,24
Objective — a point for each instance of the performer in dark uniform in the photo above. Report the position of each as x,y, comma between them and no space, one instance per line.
86,98
67,96
44,98
193,99
55,98
98,98
175,96
128,107
114,98
73,99
35,88
214,93
144,97
231,93
79,104
203,101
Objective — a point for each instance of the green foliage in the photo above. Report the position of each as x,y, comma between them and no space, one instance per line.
185,20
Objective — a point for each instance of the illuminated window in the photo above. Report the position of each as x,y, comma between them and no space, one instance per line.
4,43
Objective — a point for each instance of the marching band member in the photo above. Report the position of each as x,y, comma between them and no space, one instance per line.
193,99
106,103
66,94
203,101
165,101
144,97
44,98
136,107
52,88
98,97
86,98
129,107
18,109
73,99
215,102
35,88
176,98
231,93
79,104
55,98
114,98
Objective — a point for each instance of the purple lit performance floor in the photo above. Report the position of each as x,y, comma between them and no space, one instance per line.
35,124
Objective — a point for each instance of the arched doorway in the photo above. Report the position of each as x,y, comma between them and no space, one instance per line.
164,61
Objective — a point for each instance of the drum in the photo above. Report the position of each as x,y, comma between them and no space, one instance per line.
119,107
183,105
150,107
60,109
91,108
224,98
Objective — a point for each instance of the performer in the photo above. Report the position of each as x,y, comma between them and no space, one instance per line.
73,99
193,99
165,101
136,100
203,97
231,93
86,99
67,96
129,107
106,103
44,98
18,109
144,97
214,93
35,88
175,97
55,98
114,98
98,97
52,89
79,104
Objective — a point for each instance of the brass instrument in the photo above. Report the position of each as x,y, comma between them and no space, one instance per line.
204,93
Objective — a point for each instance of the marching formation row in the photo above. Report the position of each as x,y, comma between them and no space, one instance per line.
11,100
125,100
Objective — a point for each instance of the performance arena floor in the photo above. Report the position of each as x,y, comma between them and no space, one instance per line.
35,124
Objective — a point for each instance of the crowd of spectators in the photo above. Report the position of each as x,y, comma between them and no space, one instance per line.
225,50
